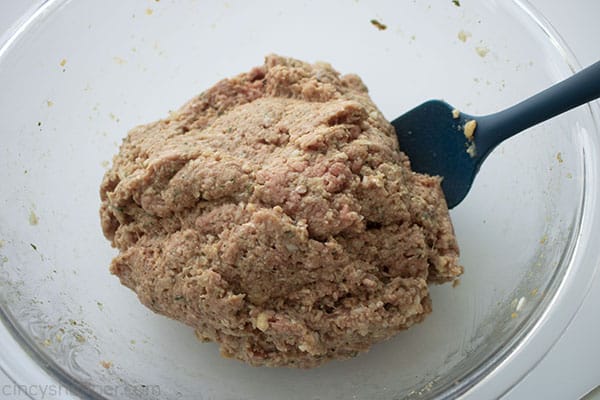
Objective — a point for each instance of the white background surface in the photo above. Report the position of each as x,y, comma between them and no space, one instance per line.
571,369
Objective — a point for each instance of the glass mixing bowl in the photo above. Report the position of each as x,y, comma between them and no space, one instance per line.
78,74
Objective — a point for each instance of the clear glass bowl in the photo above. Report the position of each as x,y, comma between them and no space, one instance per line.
79,74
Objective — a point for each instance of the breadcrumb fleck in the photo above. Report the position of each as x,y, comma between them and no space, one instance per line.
472,150
262,322
469,129
106,364
455,113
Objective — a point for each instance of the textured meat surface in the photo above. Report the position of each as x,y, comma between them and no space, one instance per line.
275,214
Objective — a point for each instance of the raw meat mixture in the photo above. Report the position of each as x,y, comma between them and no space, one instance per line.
275,214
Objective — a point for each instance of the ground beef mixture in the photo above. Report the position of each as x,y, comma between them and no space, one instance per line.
275,214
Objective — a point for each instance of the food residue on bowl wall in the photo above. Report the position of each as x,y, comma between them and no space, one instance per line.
482,51
33,218
463,35
378,25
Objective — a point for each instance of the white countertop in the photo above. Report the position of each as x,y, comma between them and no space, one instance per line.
570,370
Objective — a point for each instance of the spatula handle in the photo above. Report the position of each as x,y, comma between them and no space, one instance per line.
579,89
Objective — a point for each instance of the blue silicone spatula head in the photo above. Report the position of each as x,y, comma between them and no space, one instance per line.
433,136
441,140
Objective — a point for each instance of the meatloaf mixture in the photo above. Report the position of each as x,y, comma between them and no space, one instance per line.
275,214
